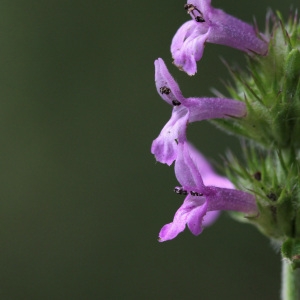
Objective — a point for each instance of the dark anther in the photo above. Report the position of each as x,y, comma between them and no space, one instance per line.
195,193
180,191
257,176
176,102
199,19
165,90
190,8
272,196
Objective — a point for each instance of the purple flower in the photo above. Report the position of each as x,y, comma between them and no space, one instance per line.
202,199
213,26
185,110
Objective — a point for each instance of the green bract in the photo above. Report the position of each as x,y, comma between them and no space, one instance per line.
271,133
271,90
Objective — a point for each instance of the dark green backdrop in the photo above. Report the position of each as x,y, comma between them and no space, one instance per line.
82,199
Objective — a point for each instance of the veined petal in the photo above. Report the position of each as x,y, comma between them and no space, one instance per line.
230,199
209,176
186,171
230,31
214,108
195,218
182,33
191,212
188,45
164,147
166,86
210,218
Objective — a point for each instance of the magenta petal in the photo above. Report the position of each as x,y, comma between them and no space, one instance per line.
188,46
209,176
186,171
210,218
203,5
195,219
164,81
214,108
230,31
188,212
164,147
230,199
170,231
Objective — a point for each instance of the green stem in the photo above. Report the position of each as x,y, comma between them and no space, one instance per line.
290,281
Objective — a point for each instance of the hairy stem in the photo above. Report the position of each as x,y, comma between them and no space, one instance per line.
290,282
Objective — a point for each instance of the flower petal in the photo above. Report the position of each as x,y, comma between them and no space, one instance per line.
186,171
209,176
203,5
166,86
164,147
230,31
230,199
195,219
188,45
214,108
210,218
191,211
188,174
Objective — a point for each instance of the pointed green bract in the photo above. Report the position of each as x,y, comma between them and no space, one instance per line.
270,175
271,90
271,133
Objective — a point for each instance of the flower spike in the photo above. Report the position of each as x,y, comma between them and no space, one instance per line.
185,110
211,25
203,201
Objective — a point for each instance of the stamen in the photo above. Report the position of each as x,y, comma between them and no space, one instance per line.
199,19
190,8
195,193
176,102
180,191
165,90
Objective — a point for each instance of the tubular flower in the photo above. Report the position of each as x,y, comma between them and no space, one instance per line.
213,26
202,200
185,110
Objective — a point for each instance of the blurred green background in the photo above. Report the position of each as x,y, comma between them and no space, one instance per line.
82,199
